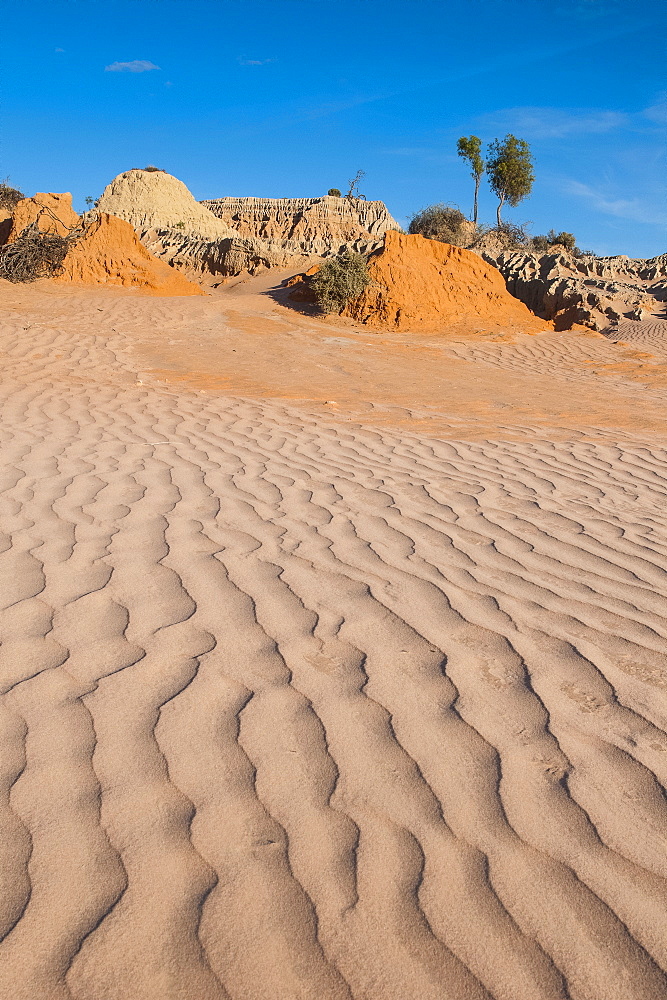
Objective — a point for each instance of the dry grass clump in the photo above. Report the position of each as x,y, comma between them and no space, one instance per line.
9,196
36,254
339,280
445,223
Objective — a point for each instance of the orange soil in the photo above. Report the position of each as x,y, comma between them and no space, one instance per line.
28,211
108,253
425,285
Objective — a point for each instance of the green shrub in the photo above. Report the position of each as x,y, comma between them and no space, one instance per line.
566,240
440,222
543,244
9,196
339,280
150,169
334,192
179,225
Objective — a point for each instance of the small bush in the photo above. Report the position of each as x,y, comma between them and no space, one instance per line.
339,280
543,244
440,222
9,196
179,225
540,244
566,240
150,169
334,192
506,236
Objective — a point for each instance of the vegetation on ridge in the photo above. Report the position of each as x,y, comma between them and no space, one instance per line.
470,149
445,223
35,253
9,196
509,166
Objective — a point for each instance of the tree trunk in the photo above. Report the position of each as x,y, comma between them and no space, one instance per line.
474,214
500,205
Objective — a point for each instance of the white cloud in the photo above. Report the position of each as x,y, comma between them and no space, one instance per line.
59,50
253,62
658,111
633,209
551,123
136,66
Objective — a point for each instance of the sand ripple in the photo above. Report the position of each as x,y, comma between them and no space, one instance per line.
300,709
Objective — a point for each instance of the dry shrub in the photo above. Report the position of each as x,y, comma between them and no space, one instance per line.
339,280
445,223
9,196
36,254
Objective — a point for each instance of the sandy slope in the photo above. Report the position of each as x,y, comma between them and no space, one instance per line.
304,707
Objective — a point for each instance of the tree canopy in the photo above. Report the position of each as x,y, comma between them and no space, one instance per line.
470,149
509,167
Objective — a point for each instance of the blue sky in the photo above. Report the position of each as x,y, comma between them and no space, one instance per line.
286,98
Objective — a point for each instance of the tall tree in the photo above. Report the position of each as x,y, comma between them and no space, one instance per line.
470,149
509,166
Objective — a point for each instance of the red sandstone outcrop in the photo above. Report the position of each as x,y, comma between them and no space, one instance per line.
424,285
107,250
52,212
110,253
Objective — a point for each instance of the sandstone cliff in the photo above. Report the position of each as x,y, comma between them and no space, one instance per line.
147,199
178,229
597,292
307,226
202,259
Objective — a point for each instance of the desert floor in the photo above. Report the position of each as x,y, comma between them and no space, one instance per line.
333,662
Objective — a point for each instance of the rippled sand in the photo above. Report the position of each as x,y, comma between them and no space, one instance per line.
336,670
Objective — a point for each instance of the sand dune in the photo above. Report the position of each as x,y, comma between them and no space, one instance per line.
298,705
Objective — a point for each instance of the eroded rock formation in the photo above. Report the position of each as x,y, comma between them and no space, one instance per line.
181,231
424,285
209,259
598,292
110,253
148,199
52,212
307,226
107,252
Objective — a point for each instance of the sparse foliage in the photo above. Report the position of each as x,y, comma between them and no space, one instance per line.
339,280
9,196
506,236
334,192
509,166
440,222
542,244
470,149
563,239
353,191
